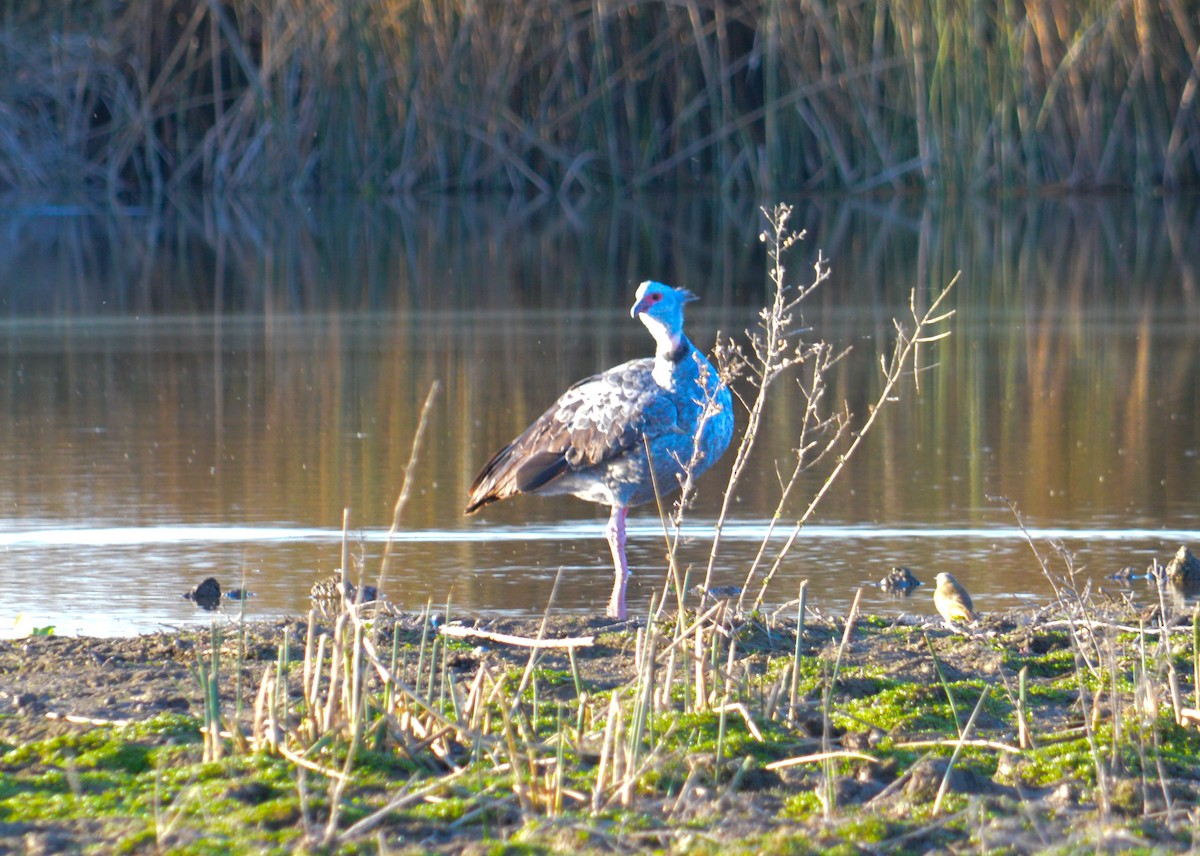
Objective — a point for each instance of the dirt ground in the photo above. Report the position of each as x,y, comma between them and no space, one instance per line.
52,684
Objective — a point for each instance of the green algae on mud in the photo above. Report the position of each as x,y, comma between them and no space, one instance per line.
101,746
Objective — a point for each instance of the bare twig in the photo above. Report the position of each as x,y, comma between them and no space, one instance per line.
905,351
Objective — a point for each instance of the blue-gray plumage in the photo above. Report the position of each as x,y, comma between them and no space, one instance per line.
592,442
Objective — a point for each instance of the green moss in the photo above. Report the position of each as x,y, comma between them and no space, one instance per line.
802,806
553,677
781,843
867,829
125,757
129,748
774,668
1046,655
1178,747
444,811
899,706
173,726
515,849
880,622
382,765
142,841
111,779
1066,760
701,733
1040,696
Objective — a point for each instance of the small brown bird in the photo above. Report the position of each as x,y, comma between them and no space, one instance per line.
952,600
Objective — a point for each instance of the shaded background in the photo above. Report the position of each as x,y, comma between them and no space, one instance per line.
144,99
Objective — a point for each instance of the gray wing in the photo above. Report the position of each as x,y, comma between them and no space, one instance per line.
598,419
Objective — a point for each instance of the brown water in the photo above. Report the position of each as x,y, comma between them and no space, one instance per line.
204,393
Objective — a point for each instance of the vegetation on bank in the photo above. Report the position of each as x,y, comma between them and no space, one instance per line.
696,733
396,96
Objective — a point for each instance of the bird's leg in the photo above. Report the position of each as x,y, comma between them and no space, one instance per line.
615,534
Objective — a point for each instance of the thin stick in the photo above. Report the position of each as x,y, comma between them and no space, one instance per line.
794,685
527,675
937,803
406,486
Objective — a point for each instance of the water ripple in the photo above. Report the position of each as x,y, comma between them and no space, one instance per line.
739,532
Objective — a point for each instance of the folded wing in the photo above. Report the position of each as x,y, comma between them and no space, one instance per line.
593,424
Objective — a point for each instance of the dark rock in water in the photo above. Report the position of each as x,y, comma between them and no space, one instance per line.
1126,574
719,592
899,580
1183,568
207,594
330,589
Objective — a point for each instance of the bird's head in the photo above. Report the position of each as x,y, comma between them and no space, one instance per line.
660,308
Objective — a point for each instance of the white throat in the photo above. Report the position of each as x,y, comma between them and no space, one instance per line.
666,351
666,342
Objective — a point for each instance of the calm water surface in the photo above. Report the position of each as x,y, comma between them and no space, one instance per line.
204,393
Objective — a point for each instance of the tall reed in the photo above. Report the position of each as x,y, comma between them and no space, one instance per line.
534,96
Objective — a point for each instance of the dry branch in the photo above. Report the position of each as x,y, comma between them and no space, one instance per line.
519,641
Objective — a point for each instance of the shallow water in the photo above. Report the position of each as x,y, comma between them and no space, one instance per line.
186,396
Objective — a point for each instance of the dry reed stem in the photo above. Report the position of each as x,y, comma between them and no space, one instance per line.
953,742
406,485
301,761
534,651
629,776
744,712
774,354
88,720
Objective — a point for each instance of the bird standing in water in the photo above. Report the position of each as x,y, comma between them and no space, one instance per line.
952,600
603,437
